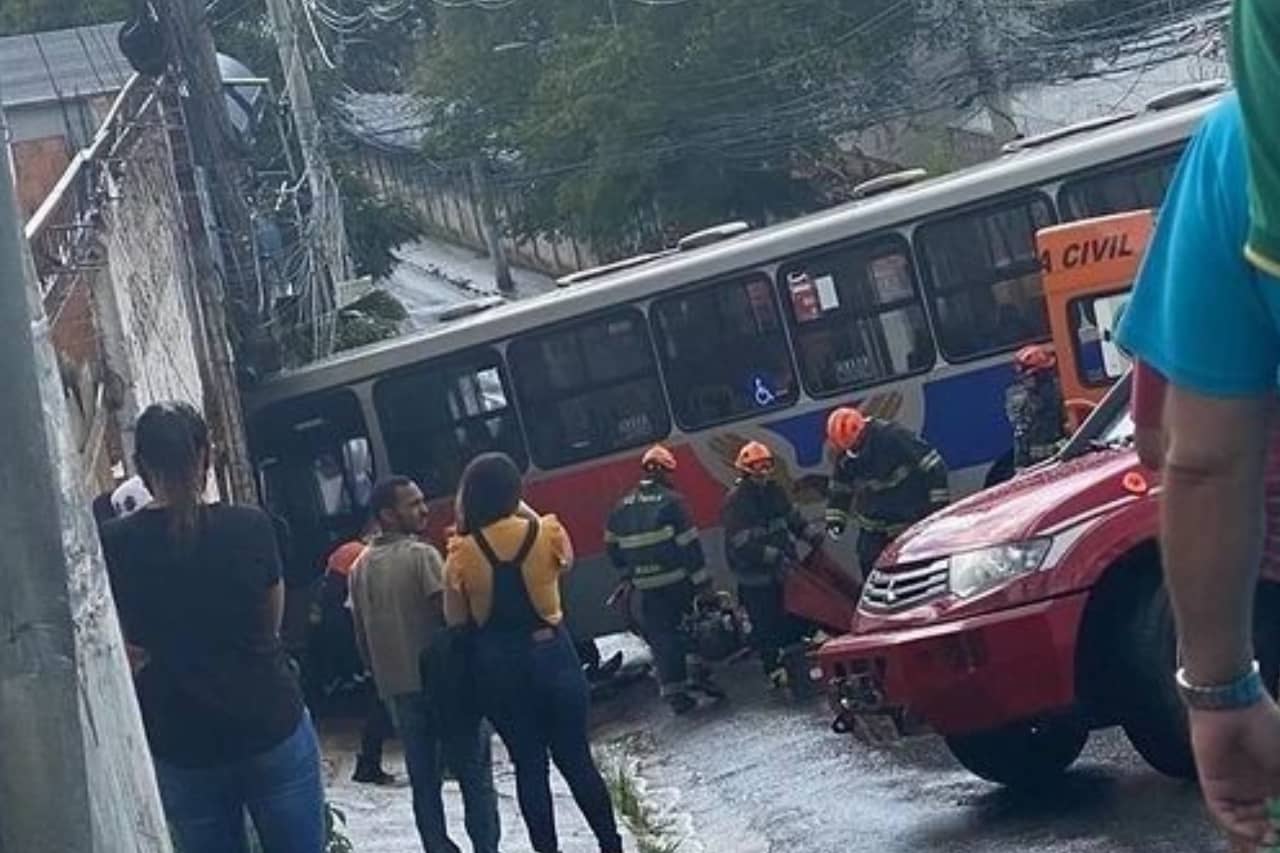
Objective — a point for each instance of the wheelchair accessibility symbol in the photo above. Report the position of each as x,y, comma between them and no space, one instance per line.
764,396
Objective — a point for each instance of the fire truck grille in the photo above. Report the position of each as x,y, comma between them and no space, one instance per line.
905,587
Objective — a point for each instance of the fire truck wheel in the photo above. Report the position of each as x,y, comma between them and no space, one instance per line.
1151,712
1023,754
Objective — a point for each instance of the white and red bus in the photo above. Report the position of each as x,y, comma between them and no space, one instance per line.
908,302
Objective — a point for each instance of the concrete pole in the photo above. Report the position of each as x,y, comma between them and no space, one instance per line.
489,226
74,771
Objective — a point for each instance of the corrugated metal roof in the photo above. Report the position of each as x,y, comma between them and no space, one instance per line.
41,67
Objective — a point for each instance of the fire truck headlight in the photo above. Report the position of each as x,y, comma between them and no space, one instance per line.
975,572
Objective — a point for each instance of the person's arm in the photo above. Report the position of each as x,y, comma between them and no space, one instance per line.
744,544
561,543
617,556
689,542
357,619
841,489
457,611
1212,528
431,572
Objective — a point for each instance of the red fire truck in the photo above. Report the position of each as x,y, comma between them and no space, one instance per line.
1018,620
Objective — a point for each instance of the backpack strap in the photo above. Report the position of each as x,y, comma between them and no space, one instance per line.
530,537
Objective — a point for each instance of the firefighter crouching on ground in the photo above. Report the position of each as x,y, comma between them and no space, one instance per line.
653,542
761,527
1033,404
885,480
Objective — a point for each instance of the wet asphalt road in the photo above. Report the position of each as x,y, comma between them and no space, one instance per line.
766,775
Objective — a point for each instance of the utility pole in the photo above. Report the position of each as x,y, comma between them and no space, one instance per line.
75,773
215,204
330,252
489,224
980,27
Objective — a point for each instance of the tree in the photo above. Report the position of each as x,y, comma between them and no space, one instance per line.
673,117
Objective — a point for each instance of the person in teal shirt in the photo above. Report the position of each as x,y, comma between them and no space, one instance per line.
1208,319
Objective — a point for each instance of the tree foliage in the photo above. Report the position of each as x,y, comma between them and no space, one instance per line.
684,114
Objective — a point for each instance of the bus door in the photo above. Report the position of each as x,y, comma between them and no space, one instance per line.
315,470
1089,266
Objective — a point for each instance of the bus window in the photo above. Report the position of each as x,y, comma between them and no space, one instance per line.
983,275
856,316
724,352
438,416
315,470
589,388
1137,185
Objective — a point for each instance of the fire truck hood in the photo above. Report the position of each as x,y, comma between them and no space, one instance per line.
1030,505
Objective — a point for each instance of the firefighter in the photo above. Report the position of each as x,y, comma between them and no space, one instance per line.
1034,406
761,529
654,544
885,479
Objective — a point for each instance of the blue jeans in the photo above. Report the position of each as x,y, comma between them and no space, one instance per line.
427,750
281,789
536,696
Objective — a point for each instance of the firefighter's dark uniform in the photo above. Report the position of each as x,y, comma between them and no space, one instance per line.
1033,404
761,527
890,482
653,542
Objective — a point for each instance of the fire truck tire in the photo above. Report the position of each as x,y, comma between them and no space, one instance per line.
1022,755
1151,712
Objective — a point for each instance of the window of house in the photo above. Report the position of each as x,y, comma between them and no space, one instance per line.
983,276
589,388
1136,185
856,316
438,416
724,352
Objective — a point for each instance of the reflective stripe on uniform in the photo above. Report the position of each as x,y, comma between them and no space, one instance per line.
939,496
687,537
896,478
837,516
647,539
931,461
839,487
889,528
747,534
657,577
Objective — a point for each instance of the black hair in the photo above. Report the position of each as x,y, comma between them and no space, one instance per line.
385,494
490,490
172,454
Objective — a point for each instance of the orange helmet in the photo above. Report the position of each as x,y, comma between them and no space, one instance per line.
658,458
1035,358
845,427
754,458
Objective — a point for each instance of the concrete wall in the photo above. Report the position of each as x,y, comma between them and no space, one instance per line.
112,254
449,205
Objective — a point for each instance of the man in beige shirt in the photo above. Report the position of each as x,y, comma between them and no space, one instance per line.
397,593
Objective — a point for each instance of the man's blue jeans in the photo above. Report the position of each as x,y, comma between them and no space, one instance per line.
427,750
281,789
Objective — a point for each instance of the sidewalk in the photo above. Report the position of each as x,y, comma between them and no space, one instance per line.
380,820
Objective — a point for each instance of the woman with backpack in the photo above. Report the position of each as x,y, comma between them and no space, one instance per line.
502,578
199,591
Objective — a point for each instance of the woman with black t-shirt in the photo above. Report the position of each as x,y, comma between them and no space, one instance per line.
199,592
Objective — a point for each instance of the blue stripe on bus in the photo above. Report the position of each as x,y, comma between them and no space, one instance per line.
964,416
964,420
806,434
